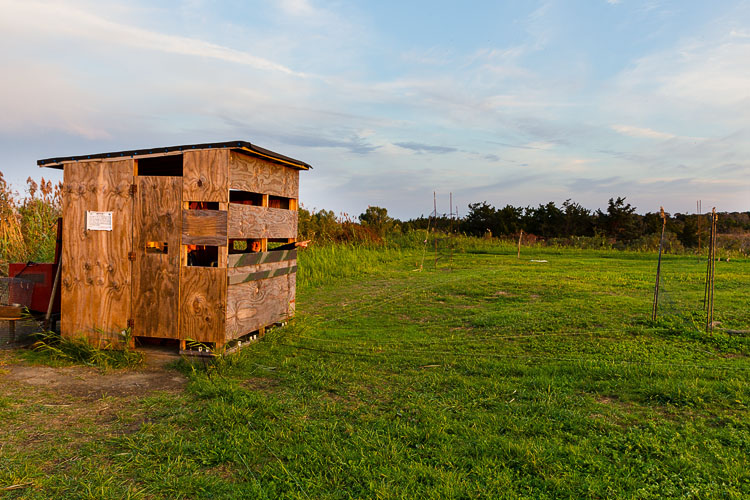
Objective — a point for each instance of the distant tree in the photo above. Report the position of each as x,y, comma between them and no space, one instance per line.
620,221
377,219
509,219
482,217
545,220
688,233
578,220
651,223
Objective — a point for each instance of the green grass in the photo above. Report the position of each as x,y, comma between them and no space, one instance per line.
50,348
490,378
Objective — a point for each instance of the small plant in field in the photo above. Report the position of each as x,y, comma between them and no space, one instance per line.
51,346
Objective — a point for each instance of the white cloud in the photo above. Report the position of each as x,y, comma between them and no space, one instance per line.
641,132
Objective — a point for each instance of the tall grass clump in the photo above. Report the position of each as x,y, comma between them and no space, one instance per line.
28,225
12,245
51,347
319,264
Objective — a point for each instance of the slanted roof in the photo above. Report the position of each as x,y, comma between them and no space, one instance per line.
243,147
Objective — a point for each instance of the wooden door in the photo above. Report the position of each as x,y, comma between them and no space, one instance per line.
96,272
157,226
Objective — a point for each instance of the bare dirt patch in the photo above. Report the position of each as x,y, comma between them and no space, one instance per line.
88,383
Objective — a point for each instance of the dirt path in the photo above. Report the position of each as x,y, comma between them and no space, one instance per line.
44,408
90,384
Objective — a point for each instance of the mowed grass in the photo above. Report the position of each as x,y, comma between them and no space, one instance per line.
489,377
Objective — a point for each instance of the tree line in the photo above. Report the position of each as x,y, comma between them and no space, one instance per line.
619,223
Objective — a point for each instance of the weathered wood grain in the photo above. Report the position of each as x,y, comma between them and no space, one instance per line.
203,295
205,175
96,272
157,217
248,173
248,221
256,304
265,266
252,259
263,271
204,227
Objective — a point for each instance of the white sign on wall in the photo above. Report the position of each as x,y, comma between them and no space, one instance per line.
98,221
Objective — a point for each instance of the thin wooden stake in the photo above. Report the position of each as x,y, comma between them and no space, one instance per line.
450,236
434,211
520,237
658,266
712,273
52,296
700,225
708,264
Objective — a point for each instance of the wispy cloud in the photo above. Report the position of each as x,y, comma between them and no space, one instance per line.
426,148
55,17
647,133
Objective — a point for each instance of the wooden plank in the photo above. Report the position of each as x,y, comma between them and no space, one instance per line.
252,259
96,271
248,221
204,227
224,248
261,274
205,176
183,248
267,266
256,304
157,218
292,287
248,173
203,295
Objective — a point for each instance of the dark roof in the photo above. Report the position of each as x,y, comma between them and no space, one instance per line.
240,146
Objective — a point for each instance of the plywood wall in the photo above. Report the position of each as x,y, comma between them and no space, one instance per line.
203,294
256,304
96,271
204,227
249,173
205,175
248,221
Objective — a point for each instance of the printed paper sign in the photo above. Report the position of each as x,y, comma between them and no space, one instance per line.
99,221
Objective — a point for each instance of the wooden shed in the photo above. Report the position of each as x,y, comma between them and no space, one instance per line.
178,243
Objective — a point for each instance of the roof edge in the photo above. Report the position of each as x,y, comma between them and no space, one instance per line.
241,146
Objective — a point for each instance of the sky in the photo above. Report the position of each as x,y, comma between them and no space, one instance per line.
515,102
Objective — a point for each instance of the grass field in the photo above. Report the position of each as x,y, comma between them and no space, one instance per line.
490,377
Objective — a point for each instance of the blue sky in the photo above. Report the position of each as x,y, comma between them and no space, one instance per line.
516,102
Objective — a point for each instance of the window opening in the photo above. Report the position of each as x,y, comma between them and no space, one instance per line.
245,245
280,244
162,166
278,202
157,247
203,205
245,198
202,256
